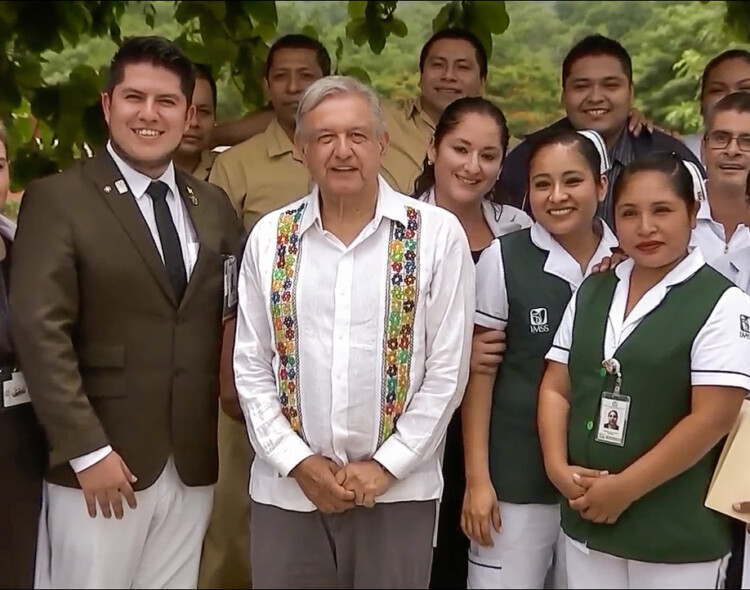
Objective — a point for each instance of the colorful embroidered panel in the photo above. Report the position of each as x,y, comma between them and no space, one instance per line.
403,290
284,314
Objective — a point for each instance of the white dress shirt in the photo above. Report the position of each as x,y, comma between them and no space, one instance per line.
710,237
721,349
492,291
736,267
336,318
138,184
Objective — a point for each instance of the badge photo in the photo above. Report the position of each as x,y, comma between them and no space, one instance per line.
613,419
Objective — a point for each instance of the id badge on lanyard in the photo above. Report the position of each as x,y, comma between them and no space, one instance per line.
614,409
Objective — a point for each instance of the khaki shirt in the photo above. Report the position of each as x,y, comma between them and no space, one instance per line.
410,130
203,170
261,174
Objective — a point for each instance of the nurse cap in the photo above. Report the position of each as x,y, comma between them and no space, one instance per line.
600,146
699,183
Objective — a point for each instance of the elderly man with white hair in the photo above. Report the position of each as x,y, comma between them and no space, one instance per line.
351,355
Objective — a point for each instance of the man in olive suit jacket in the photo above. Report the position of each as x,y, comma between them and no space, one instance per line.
119,289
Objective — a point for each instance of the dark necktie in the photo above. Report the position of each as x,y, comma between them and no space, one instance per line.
170,240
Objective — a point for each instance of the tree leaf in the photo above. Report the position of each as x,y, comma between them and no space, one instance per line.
310,31
444,18
492,15
339,48
399,28
358,31
377,39
28,73
483,34
358,73
356,8
265,31
263,11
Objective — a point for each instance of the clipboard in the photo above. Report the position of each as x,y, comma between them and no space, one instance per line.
731,479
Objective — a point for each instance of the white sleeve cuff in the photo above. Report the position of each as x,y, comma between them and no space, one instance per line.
558,354
720,378
85,461
396,457
488,321
289,454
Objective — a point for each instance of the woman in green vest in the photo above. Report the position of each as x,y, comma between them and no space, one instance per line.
460,170
524,281
664,342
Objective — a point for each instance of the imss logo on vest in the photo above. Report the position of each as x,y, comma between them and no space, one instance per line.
744,327
538,322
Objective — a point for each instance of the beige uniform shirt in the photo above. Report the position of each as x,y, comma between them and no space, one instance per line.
261,174
410,130
203,170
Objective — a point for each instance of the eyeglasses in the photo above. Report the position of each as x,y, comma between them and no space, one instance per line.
719,140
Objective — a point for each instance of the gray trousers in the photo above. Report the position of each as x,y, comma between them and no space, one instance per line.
387,546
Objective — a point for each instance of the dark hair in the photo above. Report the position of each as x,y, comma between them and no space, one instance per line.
567,137
203,72
597,45
296,41
736,101
157,51
449,120
456,33
720,59
668,163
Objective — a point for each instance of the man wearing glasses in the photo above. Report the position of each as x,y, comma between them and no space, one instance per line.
720,227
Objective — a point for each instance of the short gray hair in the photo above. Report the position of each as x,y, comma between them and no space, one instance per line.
329,86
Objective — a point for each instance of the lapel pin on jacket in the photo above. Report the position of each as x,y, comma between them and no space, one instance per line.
107,189
121,187
191,195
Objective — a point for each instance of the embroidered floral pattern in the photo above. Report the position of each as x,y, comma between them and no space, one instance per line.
403,287
284,314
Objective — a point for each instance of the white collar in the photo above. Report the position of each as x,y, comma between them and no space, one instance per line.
560,263
390,204
7,228
690,265
704,211
687,267
739,260
138,182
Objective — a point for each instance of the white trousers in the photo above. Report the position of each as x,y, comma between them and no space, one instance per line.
593,569
157,545
524,550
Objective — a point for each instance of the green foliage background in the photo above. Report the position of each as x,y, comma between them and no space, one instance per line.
56,54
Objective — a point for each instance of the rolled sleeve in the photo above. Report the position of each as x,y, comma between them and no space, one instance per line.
492,296
721,350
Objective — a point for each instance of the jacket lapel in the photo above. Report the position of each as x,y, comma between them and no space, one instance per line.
116,193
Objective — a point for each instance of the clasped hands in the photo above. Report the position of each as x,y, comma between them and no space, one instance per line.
597,496
335,489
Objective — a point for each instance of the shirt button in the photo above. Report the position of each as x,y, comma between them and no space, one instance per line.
590,425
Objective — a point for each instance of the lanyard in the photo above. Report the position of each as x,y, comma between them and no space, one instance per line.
612,366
